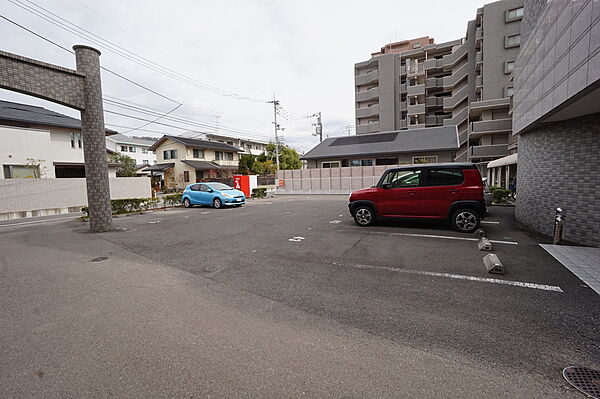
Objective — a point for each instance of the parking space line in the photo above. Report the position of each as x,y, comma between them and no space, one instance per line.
39,221
438,236
489,222
513,283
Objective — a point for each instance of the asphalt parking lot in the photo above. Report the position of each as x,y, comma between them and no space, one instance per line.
412,285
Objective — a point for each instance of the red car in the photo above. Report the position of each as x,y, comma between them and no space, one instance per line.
452,191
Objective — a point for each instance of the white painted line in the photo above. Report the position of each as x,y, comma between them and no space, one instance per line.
335,221
454,276
438,236
39,221
296,239
489,222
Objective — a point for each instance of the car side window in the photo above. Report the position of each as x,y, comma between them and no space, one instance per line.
403,178
204,187
444,177
195,187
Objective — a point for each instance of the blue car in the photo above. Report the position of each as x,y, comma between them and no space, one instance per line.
215,194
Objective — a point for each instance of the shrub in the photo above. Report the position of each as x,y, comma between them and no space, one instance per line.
499,194
259,192
85,210
171,199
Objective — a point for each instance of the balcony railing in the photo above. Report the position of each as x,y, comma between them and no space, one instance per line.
457,76
456,98
403,70
433,63
458,118
403,105
493,126
416,90
433,82
416,109
434,101
463,136
370,128
415,69
462,157
479,81
367,95
403,87
366,78
479,33
488,151
451,59
434,120
403,123
368,111
479,57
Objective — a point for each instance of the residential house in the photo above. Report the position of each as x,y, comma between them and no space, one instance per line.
183,160
137,148
246,146
437,144
37,142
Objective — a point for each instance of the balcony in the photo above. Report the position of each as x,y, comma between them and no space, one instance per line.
479,57
479,81
457,76
370,94
479,33
457,119
403,87
413,69
403,105
433,63
416,90
432,83
434,120
463,136
488,151
369,128
434,102
366,78
456,98
462,157
492,126
403,70
403,123
368,111
451,59
416,109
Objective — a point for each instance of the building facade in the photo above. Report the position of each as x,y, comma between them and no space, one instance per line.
556,114
182,160
134,147
246,146
39,143
463,83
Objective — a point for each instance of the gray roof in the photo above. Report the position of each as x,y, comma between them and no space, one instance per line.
121,138
159,167
195,143
29,114
396,142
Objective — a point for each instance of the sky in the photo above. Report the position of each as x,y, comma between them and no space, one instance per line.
230,57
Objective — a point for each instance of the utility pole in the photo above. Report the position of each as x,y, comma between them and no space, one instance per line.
275,105
217,117
349,128
318,126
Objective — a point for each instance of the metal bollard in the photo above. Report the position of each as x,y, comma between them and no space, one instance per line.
559,221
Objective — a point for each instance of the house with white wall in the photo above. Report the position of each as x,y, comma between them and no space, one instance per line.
37,142
137,148
246,146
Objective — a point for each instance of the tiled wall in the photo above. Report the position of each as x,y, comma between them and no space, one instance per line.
560,58
559,166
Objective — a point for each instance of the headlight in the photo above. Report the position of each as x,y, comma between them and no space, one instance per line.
227,195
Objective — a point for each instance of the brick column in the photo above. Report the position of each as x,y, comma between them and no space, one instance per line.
94,144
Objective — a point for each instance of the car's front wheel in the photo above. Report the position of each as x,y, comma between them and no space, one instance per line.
466,220
217,203
364,216
187,203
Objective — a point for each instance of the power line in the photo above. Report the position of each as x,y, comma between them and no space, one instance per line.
155,120
77,30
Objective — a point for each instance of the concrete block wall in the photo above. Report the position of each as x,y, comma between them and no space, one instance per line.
559,166
328,180
37,197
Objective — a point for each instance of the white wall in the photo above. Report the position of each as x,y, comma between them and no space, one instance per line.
60,146
32,197
138,155
17,144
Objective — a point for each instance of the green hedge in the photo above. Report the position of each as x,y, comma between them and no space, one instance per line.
259,192
129,205
171,199
499,194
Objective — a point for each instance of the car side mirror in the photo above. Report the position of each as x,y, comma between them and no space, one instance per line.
386,185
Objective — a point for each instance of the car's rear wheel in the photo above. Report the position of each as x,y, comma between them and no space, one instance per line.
466,220
217,203
187,203
364,216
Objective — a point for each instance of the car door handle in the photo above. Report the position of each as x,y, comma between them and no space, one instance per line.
411,192
453,191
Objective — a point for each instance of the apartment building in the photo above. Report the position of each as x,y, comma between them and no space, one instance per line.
246,146
137,148
418,84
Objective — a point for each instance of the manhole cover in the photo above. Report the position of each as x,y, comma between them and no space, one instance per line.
584,379
99,259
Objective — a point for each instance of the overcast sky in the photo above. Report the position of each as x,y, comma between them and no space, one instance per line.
303,51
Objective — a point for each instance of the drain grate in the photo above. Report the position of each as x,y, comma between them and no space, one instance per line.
584,379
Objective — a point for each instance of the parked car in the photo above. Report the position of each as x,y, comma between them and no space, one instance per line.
451,192
487,194
215,194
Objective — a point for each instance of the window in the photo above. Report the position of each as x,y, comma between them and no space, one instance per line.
170,154
146,162
218,155
204,187
72,140
417,45
78,136
515,13
123,148
21,172
131,149
431,159
144,150
198,153
386,161
230,142
509,66
361,162
229,156
195,187
403,178
512,41
186,176
328,165
444,177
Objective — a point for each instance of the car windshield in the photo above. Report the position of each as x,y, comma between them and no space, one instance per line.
220,186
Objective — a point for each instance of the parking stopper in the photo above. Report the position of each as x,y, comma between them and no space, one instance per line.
484,244
492,264
479,233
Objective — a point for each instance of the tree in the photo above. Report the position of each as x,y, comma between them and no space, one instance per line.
127,167
246,164
266,167
288,157
37,169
